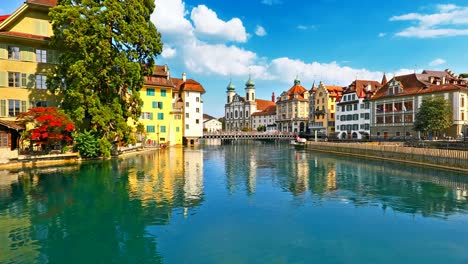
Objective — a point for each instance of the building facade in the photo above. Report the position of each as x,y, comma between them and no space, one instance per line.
394,106
353,110
188,95
324,100
292,112
211,124
25,58
238,110
266,118
163,124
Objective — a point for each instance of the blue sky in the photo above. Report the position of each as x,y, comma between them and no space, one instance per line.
334,41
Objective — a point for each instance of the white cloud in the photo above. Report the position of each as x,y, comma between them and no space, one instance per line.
381,35
260,31
169,18
448,20
168,52
271,2
207,23
302,27
437,62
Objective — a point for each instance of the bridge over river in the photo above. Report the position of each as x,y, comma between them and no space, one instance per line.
248,136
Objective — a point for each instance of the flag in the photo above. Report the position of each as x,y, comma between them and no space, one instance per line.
395,109
404,108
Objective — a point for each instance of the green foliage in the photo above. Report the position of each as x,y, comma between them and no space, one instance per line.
463,75
245,129
86,144
435,115
107,47
105,147
261,128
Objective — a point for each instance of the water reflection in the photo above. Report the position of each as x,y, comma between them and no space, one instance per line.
110,209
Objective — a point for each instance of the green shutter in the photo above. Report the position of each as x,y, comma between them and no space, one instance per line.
24,81
3,79
27,54
3,51
23,106
3,108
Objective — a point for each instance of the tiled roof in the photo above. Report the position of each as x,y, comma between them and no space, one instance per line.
23,35
43,2
270,110
11,124
3,18
159,77
334,91
264,104
189,85
360,87
208,117
414,84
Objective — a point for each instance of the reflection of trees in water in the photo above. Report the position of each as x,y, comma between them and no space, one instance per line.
101,212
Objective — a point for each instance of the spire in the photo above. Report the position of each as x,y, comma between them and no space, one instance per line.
231,86
384,79
250,82
297,81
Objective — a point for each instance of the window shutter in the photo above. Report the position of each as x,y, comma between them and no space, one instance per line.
27,54
24,81
2,107
3,79
23,106
3,51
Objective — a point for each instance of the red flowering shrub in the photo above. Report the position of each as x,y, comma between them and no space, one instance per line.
51,127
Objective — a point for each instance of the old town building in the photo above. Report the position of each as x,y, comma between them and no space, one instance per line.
292,112
323,100
394,106
267,118
238,110
353,110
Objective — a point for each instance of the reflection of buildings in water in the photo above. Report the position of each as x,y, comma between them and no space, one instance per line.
302,174
331,179
15,240
241,166
324,178
193,172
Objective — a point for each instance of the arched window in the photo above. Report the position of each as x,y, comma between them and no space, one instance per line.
235,114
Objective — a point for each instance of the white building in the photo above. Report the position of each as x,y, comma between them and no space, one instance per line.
190,93
353,110
238,110
266,118
211,124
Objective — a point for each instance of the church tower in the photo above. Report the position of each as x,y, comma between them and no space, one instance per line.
231,91
250,90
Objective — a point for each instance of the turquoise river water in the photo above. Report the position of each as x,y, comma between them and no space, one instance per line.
255,203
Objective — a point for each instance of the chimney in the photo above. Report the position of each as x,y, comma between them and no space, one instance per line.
184,77
368,88
273,97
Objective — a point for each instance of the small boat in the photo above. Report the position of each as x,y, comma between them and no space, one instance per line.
298,143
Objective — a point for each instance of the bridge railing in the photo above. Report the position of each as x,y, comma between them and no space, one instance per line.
244,134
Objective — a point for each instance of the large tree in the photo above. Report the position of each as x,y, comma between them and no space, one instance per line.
434,115
106,48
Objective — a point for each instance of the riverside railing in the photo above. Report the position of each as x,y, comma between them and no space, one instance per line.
442,157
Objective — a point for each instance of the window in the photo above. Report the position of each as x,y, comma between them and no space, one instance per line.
155,104
332,115
197,99
2,107
150,92
13,53
187,126
332,107
41,56
163,92
150,129
186,104
379,120
14,79
355,106
462,103
163,129
366,116
197,121
15,107
3,139
147,115
343,109
197,110
41,81
177,129
187,115
160,116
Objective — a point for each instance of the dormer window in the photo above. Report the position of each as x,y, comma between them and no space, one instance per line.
394,88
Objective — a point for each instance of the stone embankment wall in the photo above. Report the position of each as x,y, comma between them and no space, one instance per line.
440,157
6,155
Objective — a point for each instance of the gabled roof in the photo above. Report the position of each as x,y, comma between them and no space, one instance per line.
189,85
160,77
264,104
11,124
270,110
414,84
3,18
208,117
362,87
43,2
334,90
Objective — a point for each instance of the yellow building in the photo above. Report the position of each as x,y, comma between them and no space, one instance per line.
162,120
25,58
323,107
